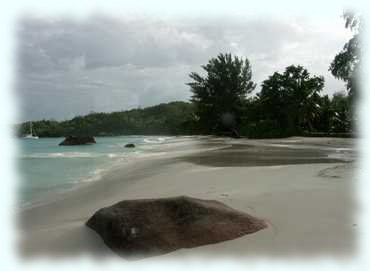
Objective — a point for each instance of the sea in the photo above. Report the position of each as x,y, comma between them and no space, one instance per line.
46,168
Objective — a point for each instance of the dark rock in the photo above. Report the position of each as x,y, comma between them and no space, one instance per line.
130,145
235,133
77,140
149,227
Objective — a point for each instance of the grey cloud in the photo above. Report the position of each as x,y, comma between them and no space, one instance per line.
69,67
104,42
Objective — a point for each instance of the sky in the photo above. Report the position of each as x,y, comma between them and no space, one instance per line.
68,67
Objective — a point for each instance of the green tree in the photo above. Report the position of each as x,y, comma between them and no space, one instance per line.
346,63
340,120
219,95
291,99
322,121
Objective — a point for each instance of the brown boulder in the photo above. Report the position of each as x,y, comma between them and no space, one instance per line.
148,227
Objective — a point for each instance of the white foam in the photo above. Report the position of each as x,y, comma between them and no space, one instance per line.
93,176
73,155
157,140
144,155
59,155
151,141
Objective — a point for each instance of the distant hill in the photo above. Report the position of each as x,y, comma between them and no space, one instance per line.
174,118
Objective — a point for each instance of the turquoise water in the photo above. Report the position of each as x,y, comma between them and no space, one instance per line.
46,167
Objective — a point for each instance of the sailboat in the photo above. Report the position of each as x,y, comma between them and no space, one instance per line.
31,134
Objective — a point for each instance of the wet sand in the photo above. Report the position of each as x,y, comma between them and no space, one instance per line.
303,187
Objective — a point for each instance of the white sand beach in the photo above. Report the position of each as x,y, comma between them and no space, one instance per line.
303,188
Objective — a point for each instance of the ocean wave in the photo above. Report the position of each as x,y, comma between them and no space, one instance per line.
158,140
151,154
72,155
58,155
92,176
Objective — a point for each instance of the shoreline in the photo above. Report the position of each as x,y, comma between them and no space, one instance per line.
204,167
156,150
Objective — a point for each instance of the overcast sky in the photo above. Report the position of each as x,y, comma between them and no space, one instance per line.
68,68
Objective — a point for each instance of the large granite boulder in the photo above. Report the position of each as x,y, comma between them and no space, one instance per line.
77,140
148,227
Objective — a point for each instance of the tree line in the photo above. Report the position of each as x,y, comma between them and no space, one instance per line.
289,103
222,103
164,119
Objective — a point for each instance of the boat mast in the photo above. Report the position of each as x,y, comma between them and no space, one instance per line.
31,128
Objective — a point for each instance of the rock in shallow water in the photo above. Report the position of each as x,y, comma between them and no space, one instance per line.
77,140
148,227
130,145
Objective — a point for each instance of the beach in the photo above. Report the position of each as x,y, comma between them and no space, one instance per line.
304,188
